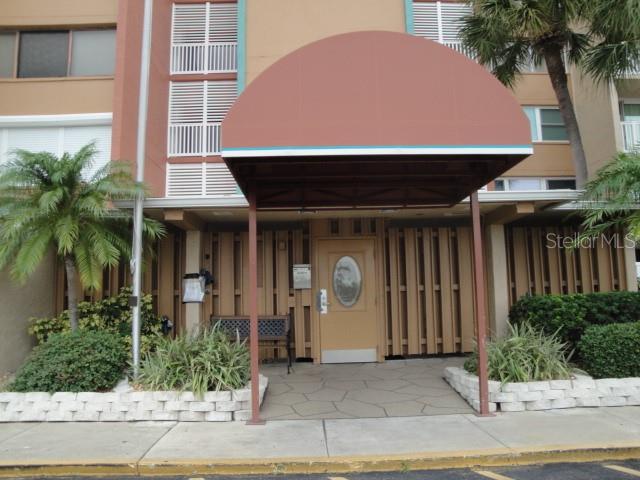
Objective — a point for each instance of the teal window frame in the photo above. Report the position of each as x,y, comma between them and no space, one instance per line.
537,124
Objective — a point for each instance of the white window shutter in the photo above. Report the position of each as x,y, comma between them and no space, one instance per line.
184,179
200,179
196,110
451,20
60,140
223,22
425,20
34,139
186,102
77,137
441,22
219,180
204,38
186,118
189,23
220,98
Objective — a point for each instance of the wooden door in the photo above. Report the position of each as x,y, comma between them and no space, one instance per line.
346,270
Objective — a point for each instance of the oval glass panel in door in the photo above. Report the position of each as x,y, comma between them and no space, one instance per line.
347,281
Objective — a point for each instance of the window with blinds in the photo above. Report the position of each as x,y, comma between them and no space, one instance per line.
204,38
196,111
62,53
58,140
546,124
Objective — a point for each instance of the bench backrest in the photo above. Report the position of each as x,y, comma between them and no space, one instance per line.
270,327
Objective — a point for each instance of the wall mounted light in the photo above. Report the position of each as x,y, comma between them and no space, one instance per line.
194,286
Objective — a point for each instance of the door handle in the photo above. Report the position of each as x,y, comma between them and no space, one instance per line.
322,302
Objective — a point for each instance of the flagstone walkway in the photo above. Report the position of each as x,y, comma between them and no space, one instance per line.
396,388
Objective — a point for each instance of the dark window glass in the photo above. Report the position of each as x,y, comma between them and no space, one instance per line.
561,184
499,185
43,54
631,112
553,128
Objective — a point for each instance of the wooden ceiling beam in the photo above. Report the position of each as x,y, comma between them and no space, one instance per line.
184,220
509,213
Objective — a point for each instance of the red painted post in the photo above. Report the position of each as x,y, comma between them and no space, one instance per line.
253,312
481,320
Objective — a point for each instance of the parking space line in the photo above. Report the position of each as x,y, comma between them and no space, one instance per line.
492,475
628,471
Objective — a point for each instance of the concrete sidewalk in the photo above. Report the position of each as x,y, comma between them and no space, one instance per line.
305,446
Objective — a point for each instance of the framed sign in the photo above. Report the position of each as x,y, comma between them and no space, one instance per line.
301,276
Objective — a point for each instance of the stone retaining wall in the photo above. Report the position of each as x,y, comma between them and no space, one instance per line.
128,407
581,391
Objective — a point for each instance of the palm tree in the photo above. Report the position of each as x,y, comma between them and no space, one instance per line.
601,37
47,203
610,201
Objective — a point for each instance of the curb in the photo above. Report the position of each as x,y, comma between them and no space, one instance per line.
382,463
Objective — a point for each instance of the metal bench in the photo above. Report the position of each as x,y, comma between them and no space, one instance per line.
270,328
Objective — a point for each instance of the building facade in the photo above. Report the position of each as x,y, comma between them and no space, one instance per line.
71,75
56,94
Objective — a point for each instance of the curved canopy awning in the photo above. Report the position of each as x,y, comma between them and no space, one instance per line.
372,119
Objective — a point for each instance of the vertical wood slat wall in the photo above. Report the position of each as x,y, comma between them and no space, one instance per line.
537,263
429,290
425,288
226,255
162,278
425,292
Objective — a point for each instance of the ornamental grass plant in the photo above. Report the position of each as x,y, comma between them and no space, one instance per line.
525,355
206,361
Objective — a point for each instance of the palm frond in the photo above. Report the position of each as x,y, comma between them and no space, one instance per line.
49,203
88,265
30,253
512,61
67,232
600,36
612,198
577,46
609,60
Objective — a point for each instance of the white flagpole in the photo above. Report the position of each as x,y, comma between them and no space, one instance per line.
136,262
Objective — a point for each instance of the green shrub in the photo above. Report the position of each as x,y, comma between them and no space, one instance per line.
111,314
73,362
524,355
611,351
204,362
570,315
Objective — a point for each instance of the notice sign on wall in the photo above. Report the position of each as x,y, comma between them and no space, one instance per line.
301,276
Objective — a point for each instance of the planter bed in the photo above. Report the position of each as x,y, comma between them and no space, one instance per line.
131,406
580,391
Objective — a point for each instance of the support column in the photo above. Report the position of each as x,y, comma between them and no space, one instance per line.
481,320
253,311
498,279
193,311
